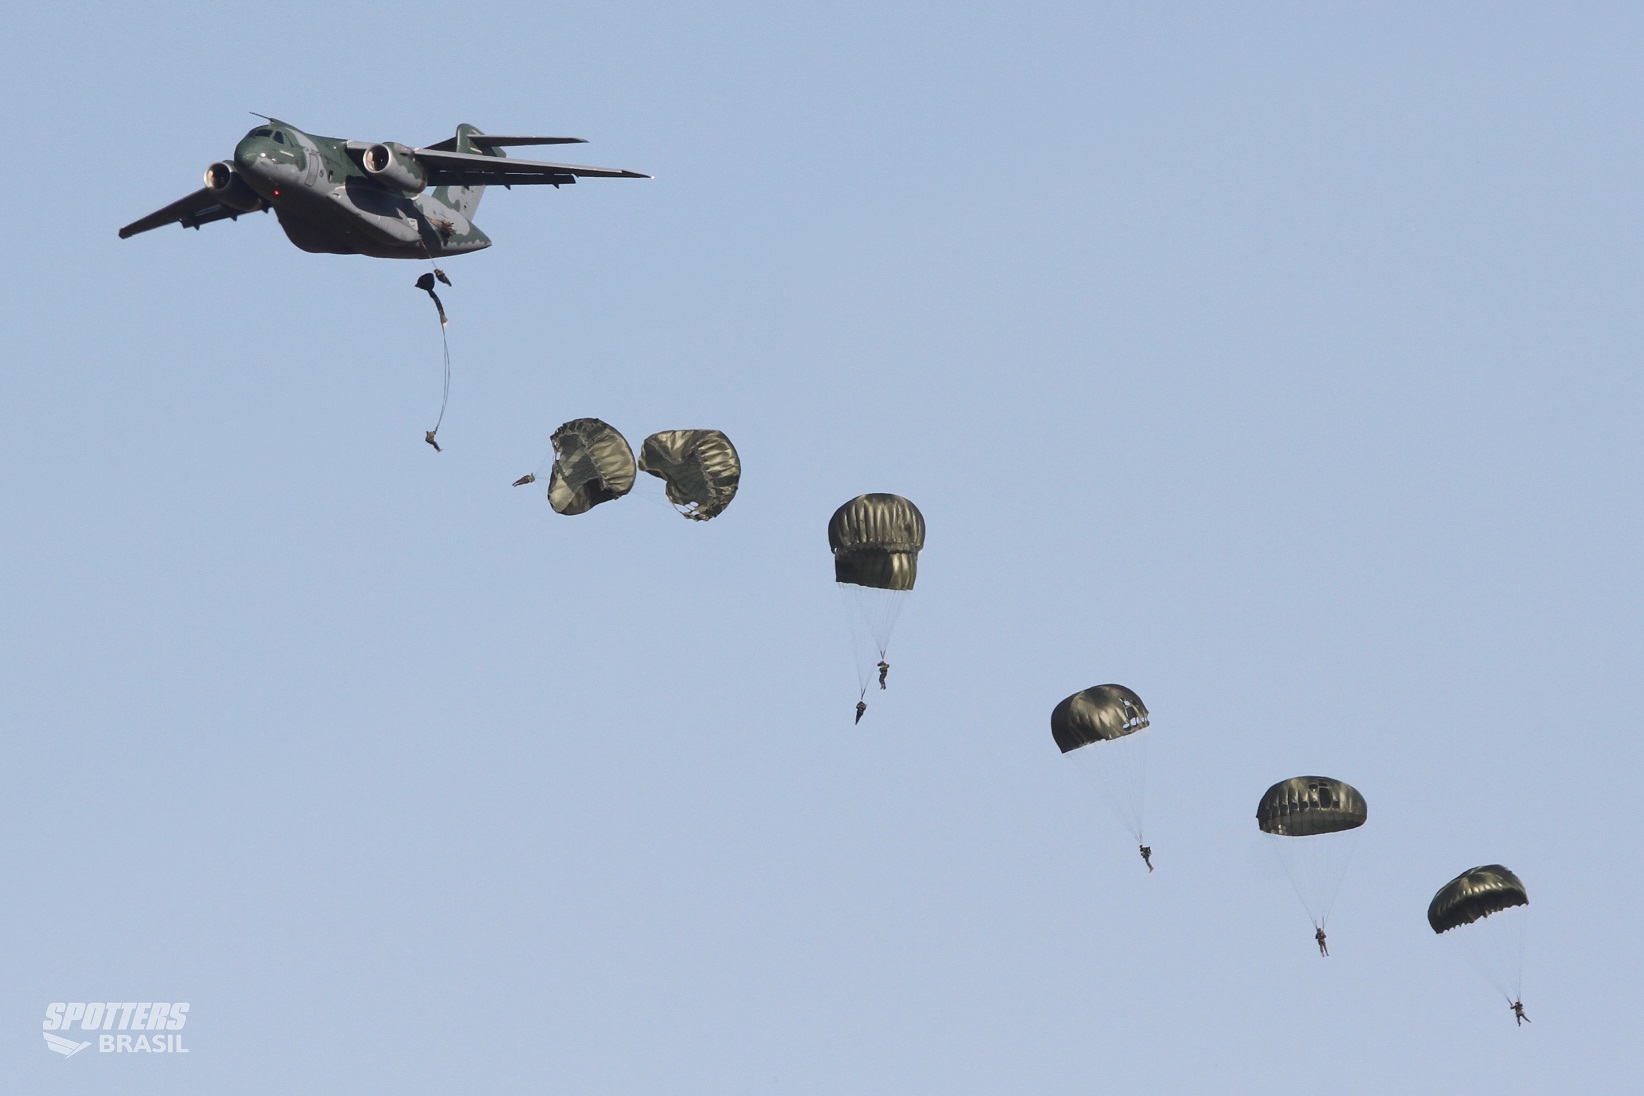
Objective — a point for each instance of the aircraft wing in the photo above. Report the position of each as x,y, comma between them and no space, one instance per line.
193,211
471,169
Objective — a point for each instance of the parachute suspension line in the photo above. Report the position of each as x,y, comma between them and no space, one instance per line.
1518,967
861,633
1115,801
1341,875
1126,791
1495,951
893,611
1316,866
1114,779
653,492
1508,958
1138,784
1141,791
879,611
872,614
1295,884
445,387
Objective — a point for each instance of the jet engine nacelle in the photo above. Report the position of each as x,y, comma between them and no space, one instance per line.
392,164
230,190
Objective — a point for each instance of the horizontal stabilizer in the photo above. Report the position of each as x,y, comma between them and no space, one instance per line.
476,169
498,140
495,140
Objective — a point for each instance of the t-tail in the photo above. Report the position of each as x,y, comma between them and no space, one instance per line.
466,199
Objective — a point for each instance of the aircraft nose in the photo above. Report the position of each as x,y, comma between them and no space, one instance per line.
245,153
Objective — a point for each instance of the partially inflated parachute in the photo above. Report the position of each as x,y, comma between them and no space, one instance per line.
1487,906
592,464
1100,713
876,540
700,467
1101,727
1313,822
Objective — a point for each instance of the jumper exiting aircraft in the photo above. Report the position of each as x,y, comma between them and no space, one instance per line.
353,198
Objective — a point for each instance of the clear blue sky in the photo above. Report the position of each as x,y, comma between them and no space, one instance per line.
1280,361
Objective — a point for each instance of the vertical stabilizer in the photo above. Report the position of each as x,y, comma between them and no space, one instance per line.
466,199
464,140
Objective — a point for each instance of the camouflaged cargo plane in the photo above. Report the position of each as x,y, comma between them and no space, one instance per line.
353,198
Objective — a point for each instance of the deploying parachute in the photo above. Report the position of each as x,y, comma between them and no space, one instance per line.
592,464
700,467
876,540
1483,903
1314,823
1102,728
426,284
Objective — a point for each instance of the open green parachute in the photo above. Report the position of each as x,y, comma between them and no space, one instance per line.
876,540
1102,728
592,464
1487,909
1313,822
1475,893
699,467
1306,806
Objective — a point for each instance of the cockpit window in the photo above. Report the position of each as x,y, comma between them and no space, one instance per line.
279,138
262,133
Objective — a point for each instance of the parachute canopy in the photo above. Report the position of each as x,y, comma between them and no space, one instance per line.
592,464
1100,713
700,468
1307,805
876,541
1477,892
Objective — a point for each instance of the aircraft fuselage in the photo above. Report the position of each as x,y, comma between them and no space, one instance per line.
327,203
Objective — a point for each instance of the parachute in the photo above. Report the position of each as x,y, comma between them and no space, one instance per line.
876,540
1484,904
1102,728
592,464
1313,823
1475,893
699,467
1307,806
1100,713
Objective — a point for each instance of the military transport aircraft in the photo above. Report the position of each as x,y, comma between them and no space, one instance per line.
354,198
